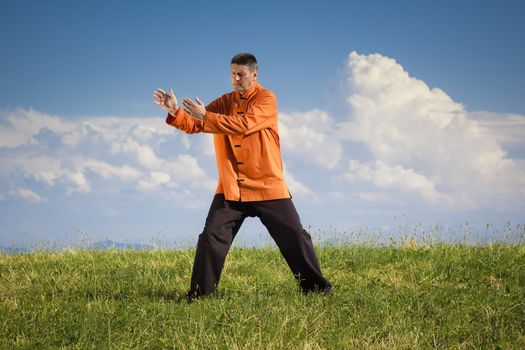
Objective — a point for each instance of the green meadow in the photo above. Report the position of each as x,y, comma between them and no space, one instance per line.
411,296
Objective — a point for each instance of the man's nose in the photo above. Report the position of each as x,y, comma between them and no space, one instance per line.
237,78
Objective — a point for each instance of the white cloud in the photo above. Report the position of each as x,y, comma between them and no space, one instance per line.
385,176
296,187
27,195
406,138
79,183
79,156
142,153
422,141
107,171
309,136
206,143
186,167
507,129
156,179
160,177
17,127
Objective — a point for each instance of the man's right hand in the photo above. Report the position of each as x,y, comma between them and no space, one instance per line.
165,101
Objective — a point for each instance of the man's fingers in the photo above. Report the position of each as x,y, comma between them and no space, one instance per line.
187,110
189,102
157,97
198,100
189,106
158,94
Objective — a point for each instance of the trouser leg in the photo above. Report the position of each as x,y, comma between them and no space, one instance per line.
222,224
282,221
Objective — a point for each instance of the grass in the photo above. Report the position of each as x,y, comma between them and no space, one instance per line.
440,296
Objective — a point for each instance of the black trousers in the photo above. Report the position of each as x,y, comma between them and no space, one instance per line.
282,221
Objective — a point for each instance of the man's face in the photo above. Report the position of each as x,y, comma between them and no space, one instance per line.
242,77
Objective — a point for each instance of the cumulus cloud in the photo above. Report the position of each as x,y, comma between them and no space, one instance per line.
384,176
309,137
142,153
417,140
422,141
81,156
18,127
107,171
399,137
507,129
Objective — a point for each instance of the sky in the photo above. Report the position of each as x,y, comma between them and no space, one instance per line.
395,116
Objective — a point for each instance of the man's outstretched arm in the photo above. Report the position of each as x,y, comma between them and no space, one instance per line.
261,115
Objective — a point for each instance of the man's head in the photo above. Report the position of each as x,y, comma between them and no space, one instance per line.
244,71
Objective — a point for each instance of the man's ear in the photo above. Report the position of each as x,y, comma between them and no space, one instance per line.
255,75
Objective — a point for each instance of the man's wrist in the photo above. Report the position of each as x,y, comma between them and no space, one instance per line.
173,111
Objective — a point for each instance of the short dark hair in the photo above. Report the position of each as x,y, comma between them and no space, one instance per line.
245,59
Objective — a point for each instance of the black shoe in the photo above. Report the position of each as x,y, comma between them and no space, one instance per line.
191,296
328,290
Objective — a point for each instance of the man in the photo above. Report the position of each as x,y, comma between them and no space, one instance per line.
251,181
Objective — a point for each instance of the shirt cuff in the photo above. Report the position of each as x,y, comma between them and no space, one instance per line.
210,122
172,119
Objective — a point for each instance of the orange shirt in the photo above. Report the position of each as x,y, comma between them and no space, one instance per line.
246,141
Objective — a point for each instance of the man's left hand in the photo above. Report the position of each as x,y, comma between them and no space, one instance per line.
197,108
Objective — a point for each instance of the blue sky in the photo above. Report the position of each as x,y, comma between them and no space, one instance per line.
389,110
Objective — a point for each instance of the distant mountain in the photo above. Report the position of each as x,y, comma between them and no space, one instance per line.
101,245
109,244
14,250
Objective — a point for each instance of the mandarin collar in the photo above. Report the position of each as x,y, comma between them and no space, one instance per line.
248,93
